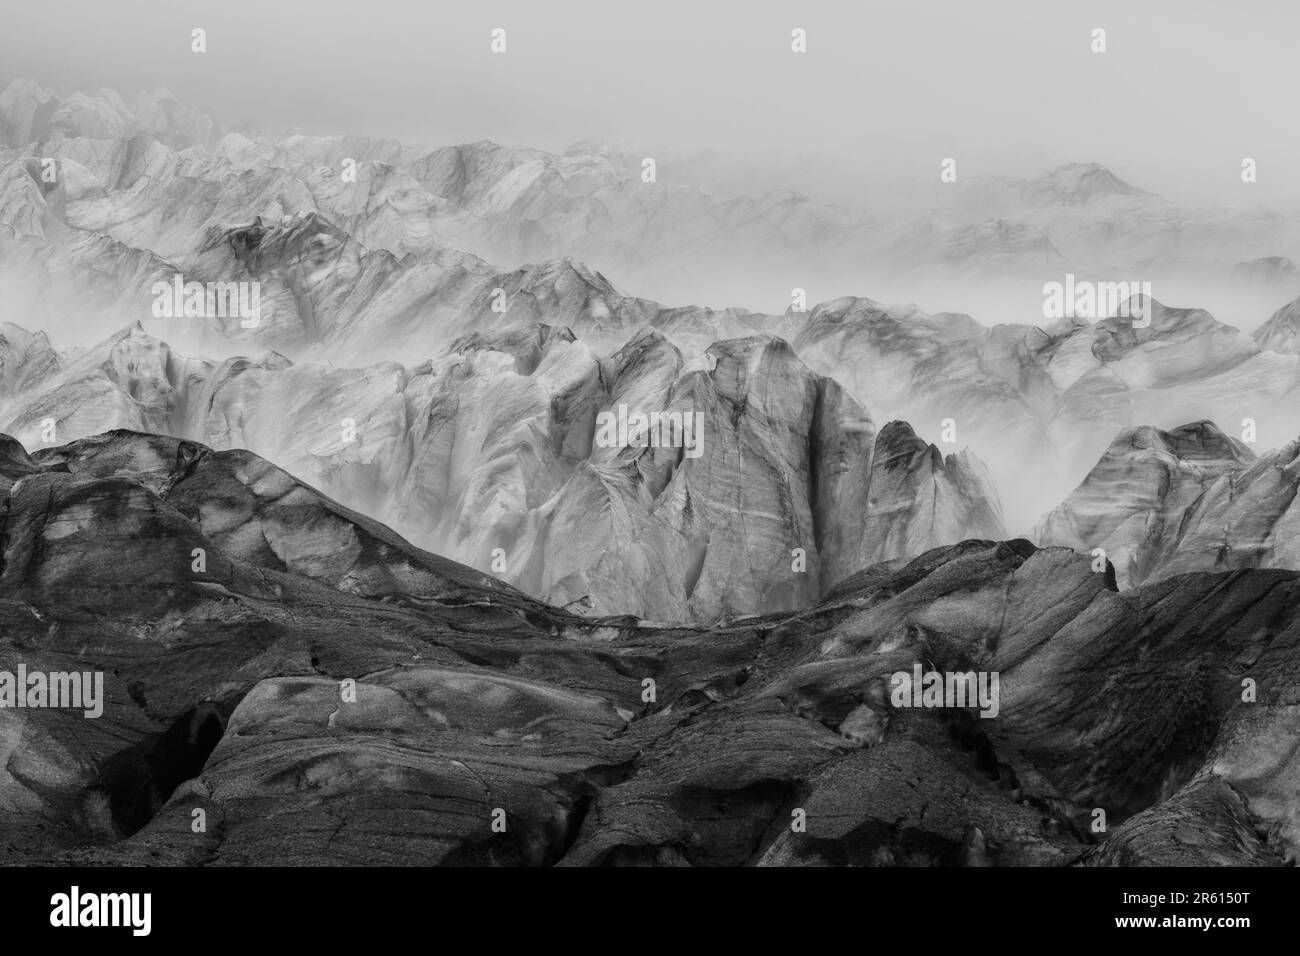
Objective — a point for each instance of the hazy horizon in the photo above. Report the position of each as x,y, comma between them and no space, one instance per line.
1011,91
860,120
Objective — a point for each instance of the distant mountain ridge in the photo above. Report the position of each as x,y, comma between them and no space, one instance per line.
371,311
675,238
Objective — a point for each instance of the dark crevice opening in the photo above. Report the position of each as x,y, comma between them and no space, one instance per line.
135,783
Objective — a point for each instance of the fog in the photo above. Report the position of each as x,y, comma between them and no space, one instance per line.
1185,89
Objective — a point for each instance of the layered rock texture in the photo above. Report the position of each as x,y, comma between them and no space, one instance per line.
1281,333
491,455
1192,499
328,694
370,251
433,545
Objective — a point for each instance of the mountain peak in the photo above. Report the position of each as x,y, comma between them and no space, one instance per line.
1081,183
1281,333
21,86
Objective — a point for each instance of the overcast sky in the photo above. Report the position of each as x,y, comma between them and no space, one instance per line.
1186,89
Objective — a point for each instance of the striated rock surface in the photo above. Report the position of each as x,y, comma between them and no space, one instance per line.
1281,333
1133,501
490,454
1193,499
27,360
1038,405
790,492
387,706
917,495
442,342
369,251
